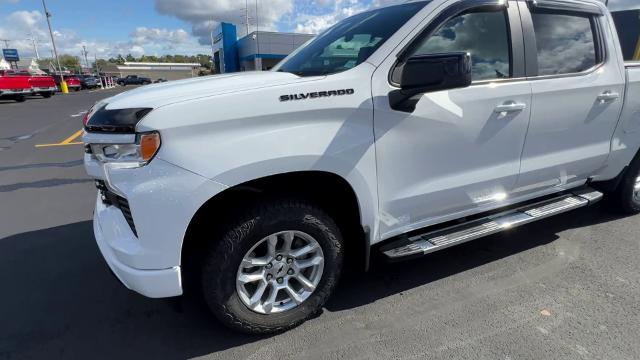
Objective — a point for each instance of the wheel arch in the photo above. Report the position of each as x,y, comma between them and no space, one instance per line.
319,187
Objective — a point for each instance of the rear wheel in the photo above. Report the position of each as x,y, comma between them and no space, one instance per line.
20,98
627,196
274,269
47,95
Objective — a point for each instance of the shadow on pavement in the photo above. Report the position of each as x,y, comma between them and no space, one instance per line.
60,301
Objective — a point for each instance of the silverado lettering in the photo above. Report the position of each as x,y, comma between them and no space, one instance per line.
316,95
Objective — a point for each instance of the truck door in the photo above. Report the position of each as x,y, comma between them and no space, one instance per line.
459,151
577,88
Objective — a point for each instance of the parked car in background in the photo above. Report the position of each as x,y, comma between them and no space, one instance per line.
73,83
134,80
14,86
43,85
89,82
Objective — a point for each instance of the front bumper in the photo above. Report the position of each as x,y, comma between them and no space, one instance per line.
142,242
109,230
8,92
43,89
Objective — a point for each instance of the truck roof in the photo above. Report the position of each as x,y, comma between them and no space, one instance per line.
622,5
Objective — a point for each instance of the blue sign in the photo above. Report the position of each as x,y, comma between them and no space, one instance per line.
10,54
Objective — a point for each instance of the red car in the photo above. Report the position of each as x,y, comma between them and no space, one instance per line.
14,86
73,83
43,85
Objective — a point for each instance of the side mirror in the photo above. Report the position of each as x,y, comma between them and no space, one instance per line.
427,73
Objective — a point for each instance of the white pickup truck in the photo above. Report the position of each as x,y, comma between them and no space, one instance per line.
396,133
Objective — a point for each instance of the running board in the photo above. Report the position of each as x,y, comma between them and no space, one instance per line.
444,238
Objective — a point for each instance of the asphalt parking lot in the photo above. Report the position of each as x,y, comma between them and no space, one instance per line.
564,288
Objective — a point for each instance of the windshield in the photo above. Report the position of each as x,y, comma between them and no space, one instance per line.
350,42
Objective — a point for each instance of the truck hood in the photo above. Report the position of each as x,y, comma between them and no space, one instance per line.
158,95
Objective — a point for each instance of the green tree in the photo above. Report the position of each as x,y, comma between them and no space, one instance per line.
69,62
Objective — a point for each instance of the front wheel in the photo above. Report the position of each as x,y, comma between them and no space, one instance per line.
274,269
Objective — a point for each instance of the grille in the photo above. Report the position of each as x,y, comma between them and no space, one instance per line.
111,199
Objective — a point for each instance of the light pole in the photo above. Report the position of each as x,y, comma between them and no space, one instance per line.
258,36
63,85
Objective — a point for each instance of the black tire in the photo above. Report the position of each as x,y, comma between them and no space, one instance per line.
624,199
20,98
221,264
47,95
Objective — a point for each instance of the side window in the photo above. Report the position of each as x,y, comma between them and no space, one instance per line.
483,34
566,43
628,25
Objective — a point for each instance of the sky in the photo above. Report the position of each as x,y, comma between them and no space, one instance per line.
157,27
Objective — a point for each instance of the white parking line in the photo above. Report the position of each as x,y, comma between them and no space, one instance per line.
79,114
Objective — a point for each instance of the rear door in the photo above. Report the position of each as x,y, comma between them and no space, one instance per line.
577,87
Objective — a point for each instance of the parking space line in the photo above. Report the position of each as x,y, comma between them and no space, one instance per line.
70,139
56,145
66,142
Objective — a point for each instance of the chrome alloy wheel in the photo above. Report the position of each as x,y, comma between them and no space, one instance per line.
636,190
280,272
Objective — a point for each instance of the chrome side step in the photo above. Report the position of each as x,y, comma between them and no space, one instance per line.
441,239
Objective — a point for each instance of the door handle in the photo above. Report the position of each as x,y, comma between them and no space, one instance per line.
608,96
510,106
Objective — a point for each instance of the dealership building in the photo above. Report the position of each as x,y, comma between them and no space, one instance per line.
260,50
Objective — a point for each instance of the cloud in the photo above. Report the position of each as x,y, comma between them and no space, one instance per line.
141,41
204,15
305,16
326,13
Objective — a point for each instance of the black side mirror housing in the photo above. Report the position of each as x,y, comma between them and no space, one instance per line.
427,73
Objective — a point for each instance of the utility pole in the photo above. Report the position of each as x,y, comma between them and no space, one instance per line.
84,52
53,43
246,15
34,41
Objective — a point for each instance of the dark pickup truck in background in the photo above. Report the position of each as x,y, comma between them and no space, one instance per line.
134,80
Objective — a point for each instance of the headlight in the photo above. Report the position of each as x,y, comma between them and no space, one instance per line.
138,154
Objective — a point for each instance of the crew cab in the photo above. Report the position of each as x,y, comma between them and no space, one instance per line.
398,132
14,86
134,80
